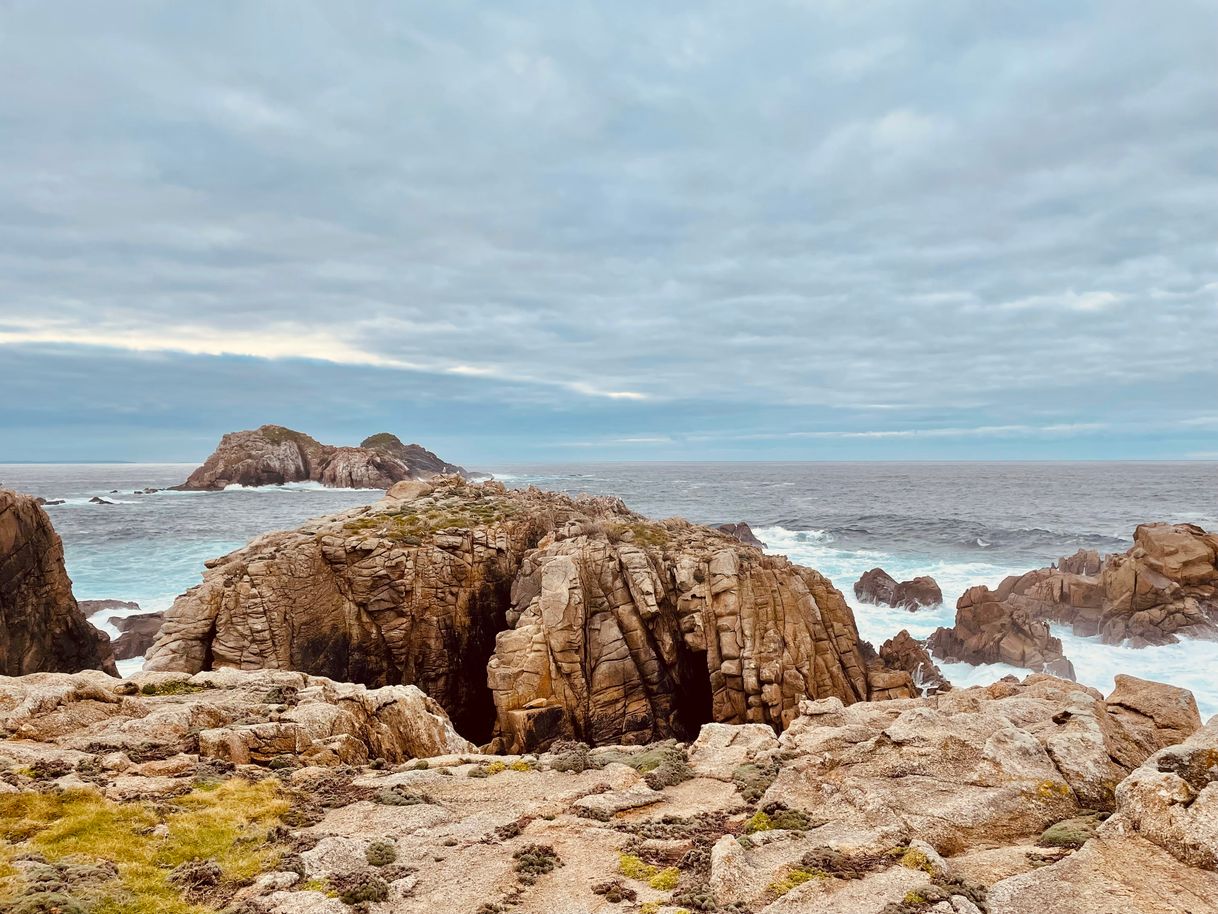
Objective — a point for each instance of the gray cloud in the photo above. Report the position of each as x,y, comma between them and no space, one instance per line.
817,218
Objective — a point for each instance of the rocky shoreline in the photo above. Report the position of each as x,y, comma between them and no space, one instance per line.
471,699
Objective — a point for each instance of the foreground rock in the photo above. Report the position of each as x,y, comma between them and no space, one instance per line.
989,630
971,801
273,455
586,620
41,626
233,716
1165,587
878,586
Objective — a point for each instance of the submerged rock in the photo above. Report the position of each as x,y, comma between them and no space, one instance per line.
41,625
586,620
273,455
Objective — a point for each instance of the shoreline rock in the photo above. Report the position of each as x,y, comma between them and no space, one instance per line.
878,586
586,620
42,629
743,532
274,455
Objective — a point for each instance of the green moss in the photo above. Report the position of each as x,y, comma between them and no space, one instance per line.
916,860
639,532
912,897
381,853
173,687
754,780
795,877
666,879
534,861
633,867
1070,832
230,826
522,765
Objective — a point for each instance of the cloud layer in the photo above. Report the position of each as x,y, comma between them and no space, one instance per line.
685,230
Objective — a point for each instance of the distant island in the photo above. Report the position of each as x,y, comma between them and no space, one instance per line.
274,455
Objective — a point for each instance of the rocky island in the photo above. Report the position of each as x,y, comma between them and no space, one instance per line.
274,455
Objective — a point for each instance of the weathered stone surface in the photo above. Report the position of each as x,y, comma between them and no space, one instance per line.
41,625
272,455
914,806
138,634
587,620
878,586
904,652
239,717
1158,854
989,630
1163,588
743,532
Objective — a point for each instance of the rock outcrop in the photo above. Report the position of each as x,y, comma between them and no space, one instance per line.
41,627
1165,587
273,455
904,652
983,799
878,586
138,634
742,532
988,630
586,620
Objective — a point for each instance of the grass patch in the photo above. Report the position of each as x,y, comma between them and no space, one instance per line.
173,687
228,825
634,867
795,877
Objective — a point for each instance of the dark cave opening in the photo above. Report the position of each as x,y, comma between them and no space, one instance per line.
471,703
693,703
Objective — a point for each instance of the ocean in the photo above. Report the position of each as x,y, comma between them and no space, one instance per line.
963,523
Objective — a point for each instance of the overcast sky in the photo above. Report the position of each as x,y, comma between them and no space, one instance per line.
566,231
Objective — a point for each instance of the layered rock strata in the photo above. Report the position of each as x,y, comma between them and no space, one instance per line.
586,620
41,626
273,455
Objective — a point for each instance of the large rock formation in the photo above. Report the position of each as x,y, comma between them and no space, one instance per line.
743,532
273,455
878,586
987,630
41,627
587,620
1164,587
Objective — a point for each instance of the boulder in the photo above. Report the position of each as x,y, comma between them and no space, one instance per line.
1158,853
743,532
904,652
273,455
878,586
138,634
41,626
988,630
587,620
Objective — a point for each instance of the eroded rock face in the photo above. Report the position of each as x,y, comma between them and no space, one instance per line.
41,625
1157,853
914,806
990,630
138,634
587,620
1164,588
742,532
238,717
272,455
878,586
904,652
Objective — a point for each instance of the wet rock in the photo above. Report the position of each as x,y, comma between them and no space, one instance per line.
878,586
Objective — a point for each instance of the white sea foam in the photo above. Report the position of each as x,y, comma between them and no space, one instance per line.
307,486
130,667
1189,664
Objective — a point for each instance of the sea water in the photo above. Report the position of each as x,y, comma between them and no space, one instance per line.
962,523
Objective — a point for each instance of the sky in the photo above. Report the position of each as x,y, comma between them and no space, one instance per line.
569,231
